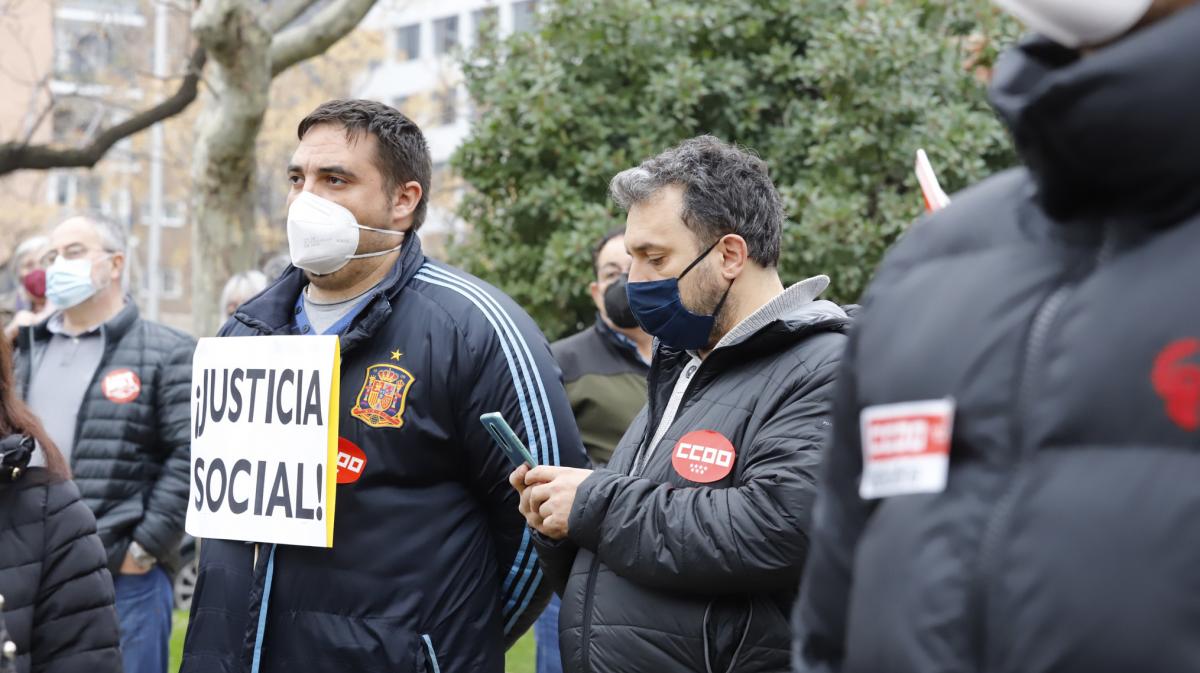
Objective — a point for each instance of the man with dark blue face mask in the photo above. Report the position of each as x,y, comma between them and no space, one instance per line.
685,553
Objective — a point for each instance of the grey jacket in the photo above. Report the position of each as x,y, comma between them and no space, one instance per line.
665,574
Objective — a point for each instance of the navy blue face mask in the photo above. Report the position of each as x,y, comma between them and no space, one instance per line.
660,311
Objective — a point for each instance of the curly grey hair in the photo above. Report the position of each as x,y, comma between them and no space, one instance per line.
726,190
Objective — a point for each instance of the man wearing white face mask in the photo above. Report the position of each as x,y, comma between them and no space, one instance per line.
1012,481
112,392
431,567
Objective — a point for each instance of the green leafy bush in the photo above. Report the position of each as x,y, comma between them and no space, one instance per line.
836,95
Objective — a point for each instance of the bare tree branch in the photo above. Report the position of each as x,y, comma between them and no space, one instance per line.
284,12
41,117
16,156
314,37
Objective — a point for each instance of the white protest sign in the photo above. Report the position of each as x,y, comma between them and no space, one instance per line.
264,439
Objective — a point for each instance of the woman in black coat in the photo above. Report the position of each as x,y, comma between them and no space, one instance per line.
57,611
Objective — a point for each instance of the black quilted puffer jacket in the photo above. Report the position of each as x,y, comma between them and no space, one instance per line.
662,573
1055,305
130,458
58,595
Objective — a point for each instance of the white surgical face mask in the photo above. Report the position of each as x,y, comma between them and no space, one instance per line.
1078,23
69,282
323,236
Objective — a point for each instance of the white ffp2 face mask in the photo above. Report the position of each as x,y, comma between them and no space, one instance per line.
323,235
1077,23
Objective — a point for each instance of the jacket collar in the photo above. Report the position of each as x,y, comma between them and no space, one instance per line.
794,302
273,310
791,316
1109,135
113,329
619,341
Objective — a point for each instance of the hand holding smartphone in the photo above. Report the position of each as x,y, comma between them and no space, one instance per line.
507,439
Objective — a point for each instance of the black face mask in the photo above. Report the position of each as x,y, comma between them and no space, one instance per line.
616,304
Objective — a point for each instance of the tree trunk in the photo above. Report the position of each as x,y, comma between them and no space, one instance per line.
222,215
247,47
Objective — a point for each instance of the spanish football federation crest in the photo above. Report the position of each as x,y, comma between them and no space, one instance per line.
381,401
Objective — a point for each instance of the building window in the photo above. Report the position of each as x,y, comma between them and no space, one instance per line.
80,51
170,283
486,23
445,35
173,214
524,14
408,42
446,104
63,193
88,188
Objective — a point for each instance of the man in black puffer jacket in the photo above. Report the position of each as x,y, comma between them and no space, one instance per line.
112,391
1043,320
685,553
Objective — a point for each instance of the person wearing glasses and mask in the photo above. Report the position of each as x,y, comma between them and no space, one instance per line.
112,390
685,552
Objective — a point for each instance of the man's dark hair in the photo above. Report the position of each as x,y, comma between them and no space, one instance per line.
403,154
726,190
612,233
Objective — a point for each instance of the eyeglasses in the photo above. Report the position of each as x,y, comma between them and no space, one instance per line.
71,252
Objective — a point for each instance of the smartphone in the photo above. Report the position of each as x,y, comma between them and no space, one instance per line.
507,439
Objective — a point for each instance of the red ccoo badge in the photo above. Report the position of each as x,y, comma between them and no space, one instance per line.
121,386
703,456
351,461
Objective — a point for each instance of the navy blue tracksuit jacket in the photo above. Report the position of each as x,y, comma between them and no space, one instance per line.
432,568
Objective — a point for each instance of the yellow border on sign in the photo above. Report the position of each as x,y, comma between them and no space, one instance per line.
331,463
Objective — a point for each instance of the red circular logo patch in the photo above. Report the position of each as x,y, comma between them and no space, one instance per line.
121,386
703,456
351,461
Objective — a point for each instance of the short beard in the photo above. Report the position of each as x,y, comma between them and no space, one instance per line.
714,289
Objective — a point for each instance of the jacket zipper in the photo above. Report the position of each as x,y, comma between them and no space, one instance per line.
997,523
109,348
642,458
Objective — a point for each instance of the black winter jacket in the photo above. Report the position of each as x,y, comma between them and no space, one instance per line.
58,594
1052,305
432,568
130,459
674,575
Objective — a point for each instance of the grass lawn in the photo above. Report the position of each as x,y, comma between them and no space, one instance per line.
519,660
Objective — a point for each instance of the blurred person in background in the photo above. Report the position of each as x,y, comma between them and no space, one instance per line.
30,279
1012,483
112,390
56,594
275,265
604,367
239,288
